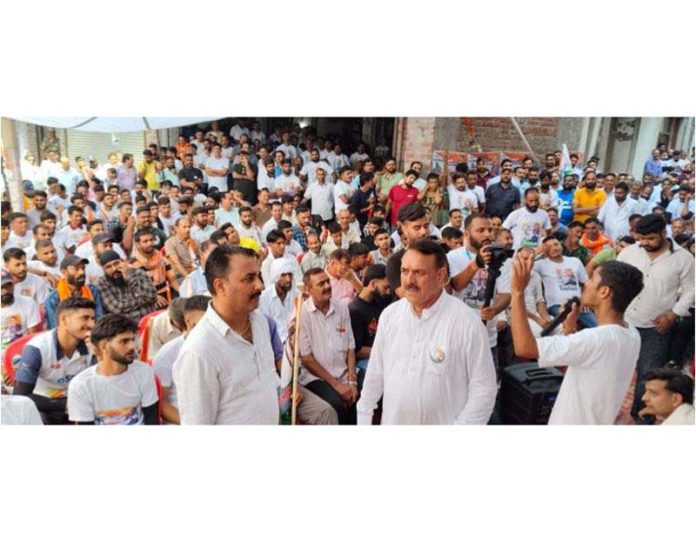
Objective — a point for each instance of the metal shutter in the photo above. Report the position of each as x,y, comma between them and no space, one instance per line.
99,145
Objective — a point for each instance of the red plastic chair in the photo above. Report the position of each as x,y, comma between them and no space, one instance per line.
14,350
144,333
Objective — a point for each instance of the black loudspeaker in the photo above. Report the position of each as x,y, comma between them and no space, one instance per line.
528,393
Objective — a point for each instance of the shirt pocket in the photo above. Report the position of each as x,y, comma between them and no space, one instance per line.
436,358
340,339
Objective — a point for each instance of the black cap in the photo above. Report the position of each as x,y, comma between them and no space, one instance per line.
108,256
72,260
101,238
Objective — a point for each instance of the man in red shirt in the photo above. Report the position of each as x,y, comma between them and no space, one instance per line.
400,195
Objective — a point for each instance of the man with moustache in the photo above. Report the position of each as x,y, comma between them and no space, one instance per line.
53,358
72,285
414,223
117,390
588,199
225,373
127,291
528,224
430,358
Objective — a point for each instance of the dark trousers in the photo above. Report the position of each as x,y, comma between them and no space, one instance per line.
654,353
346,415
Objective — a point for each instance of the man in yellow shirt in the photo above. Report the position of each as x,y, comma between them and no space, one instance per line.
149,170
588,200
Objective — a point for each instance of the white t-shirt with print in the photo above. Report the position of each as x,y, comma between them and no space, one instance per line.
561,280
16,319
462,199
163,363
112,400
527,227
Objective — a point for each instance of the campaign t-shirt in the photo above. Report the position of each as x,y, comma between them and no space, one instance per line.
342,189
561,280
112,400
16,319
527,227
565,208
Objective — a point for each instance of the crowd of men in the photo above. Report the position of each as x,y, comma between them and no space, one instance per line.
416,290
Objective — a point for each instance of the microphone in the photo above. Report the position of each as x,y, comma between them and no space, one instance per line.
558,320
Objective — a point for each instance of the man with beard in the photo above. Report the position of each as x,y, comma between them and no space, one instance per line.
308,173
40,201
201,229
246,227
143,221
414,224
53,358
115,391
615,212
460,198
528,224
565,196
430,358
156,266
388,179
588,200
72,285
124,290
26,284
278,298
19,315
548,197
668,294
469,273
365,310
225,373
190,176
45,262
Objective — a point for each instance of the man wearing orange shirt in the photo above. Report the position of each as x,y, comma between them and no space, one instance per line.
588,200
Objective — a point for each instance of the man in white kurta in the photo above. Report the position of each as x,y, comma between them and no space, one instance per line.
435,368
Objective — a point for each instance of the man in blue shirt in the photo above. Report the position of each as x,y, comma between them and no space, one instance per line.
654,165
566,194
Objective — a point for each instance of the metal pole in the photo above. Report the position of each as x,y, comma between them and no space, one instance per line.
11,170
524,139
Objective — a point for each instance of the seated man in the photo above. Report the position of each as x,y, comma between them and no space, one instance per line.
669,396
53,358
166,326
327,348
72,285
345,284
593,239
278,298
115,390
127,291
154,263
194,283
193,310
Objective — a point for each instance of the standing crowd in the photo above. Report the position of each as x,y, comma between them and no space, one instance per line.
166,289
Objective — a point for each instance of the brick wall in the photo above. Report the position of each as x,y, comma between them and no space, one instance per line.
499,134
416,141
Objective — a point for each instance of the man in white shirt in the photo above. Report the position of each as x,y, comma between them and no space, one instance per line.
72,233
287,183
343,189
683,204
272,223
359,154
225,373
668,274
289,150
277,249
51,166
117,390
327,348
308,172
321,193
20,234
477,191
238,129
26,284
529,224
563,277
19,314
217,168
669,396
600,360
278,298
67,176
430,359
616,211
337,159
246,227
460,198
201,230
